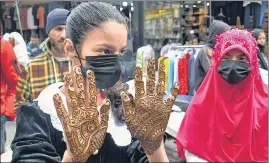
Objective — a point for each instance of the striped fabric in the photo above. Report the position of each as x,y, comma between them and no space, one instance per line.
39,74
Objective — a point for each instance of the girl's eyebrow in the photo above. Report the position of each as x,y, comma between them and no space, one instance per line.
105,45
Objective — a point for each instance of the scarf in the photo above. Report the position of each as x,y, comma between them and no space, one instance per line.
224,122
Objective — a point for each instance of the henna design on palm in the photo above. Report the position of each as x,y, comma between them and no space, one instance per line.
148,116
84,132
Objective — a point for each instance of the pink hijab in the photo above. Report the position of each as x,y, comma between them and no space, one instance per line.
224,122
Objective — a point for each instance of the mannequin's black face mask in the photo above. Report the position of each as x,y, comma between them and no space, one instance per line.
106,68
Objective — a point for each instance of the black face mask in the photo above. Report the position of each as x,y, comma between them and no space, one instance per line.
234,71
106,68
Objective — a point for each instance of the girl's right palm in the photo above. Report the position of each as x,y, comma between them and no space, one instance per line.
84,131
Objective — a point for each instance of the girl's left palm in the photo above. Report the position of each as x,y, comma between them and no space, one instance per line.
148,115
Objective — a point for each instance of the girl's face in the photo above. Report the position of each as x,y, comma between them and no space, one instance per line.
110,38
262,39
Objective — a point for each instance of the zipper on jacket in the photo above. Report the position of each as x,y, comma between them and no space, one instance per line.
61,69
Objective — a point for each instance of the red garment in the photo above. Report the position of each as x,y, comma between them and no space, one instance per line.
9,79
224,122
183,74
23,12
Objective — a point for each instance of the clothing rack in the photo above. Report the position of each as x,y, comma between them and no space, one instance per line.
187,46
182,99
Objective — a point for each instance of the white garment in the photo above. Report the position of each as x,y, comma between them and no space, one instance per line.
30,19
176,69
190,157
143,55
20,48
249,2
264,75
6,36
165,49
120,134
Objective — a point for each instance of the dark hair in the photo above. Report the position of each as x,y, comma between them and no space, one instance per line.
165,41
192,37
34,35
256,33
90,15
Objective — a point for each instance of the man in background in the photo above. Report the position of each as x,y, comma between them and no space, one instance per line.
33,48
50,66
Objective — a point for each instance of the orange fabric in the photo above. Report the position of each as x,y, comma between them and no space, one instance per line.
40,16
9,79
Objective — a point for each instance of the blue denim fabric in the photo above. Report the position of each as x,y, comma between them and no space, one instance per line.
255,9
263,7
2,138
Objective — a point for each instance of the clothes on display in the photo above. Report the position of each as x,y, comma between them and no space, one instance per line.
30,19
33,17
7,19
235,13
179,64
264,7
142,56
40,16
252,9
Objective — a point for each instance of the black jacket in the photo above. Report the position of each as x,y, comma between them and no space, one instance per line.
37,141
202,65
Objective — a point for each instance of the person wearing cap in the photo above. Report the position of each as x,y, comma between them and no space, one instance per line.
33,47
49,67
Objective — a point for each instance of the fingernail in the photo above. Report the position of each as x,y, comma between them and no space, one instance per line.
55,96
90,73
176,85
107,102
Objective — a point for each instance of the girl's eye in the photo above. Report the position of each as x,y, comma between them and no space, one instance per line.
243,58
123,51
105,52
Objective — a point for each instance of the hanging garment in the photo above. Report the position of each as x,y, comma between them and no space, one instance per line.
16,19
176,69
24,18
253,9
159,61
224,122
183,74
186,73
166,63
191,75
234,9
13,23
30,19
34,13
40,16
7,19
262,14
171,75
143,54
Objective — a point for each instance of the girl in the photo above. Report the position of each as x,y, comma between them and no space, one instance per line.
227,120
